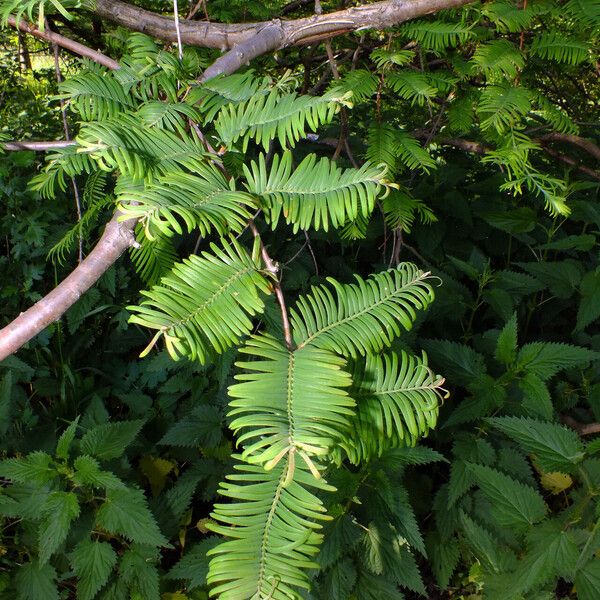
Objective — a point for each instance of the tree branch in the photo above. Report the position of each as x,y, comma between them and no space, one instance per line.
37,146
378,15
64,42
575,140
117,237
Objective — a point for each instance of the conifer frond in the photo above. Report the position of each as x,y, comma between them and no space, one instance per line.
36,10
362,317
187,308
502,106
411,153
273,530
316,193
498,59
140,152
153,258
288,402
437,35
397,402
394,147
96,96
400,209
202,199
555,115
383,57
558,47
172,116
213,95
81,229
412,85
362,84
381,145
274,116
508,17
62,164
584,11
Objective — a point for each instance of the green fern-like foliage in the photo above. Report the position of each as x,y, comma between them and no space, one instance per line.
498,58
501,106
436,35
187,307
36,10
316,193
286,118
413,86
152,258
140,152
397,402
289,403
202,199
96,96
560,48
362,317
272,527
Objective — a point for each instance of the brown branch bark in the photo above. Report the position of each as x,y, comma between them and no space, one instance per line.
64,42
378,15
37,146
575,140
580,428
117,237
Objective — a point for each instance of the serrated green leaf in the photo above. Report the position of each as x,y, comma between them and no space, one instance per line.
36,467
60,509
587,581
536,397
513,504
341,535
88,472
66,439
193,566
506,346
545,359
461,363
138,570
92,562
444,557
552,553
125,512
589,306
339,580
36,582
111,439
481,542
202,427
555,447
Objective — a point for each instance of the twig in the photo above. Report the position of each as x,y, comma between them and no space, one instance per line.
177,29
17,146
64,42
273,269
580,428
310,249
63,110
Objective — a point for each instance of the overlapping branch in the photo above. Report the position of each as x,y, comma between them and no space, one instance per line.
64,42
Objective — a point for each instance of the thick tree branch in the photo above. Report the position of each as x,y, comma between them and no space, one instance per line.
575,140
378,15
64,42
117,237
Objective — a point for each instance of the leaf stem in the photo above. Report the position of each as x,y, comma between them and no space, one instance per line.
273,269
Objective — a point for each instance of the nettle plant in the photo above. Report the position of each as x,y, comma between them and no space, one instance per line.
318,391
